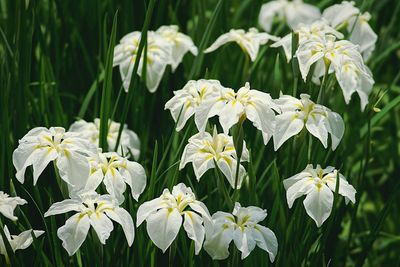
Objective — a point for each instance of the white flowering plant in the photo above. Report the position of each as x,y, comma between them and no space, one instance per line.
199,133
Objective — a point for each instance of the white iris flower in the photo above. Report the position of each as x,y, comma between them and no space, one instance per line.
242,227
306,32
40,146
317,119
92,210
164,217
115,172
293,12
8,205
249,41
129,143
166,46
181,44
248,103
318,185
342,57
204,151
347,15
198,98
21,241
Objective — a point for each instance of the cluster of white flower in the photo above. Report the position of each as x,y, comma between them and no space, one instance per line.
83,166
166,46
164,219
280,118
318,44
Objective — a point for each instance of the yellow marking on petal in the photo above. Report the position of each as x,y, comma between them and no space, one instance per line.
209,157
48,138
318,186
67,154
230,218
49,149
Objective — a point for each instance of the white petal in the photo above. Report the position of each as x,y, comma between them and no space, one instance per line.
148,208
154,73
163,227
263,119
286,43
42,158
122,217
64,207
102,225
223,39
115,184
230,115
8,205
266,240
336,125
296,190
316,126
200,208
74,168
193,225
268,12
345,189
24,239
287,125
244,241
306,58
318,204
135,176
218,238
74,232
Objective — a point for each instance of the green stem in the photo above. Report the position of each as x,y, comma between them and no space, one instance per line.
321,93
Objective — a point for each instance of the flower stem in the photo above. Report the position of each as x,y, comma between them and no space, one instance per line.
321,93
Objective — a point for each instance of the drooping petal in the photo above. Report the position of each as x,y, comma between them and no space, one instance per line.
263,119
336,126
268,12
287,125
345,189
306,58
74,168
297,189
200,208
163,227
115,184
42,157
24,239
135,176
318,204
244,241
122,217
102,225
8,205
266,240
148,208
194,229
316,126
218,238
230,115
73,233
